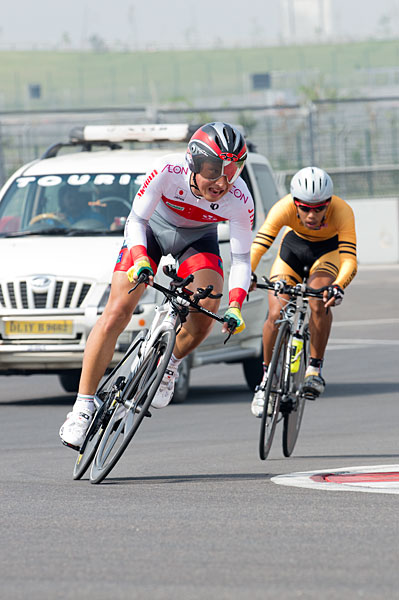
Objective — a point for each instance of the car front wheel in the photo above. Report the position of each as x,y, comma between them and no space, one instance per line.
70,380
183,382
253,370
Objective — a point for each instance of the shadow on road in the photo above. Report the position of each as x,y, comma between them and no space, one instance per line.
230,394
167,479
218,394
234,477
346,456
51,401
360,389
234,393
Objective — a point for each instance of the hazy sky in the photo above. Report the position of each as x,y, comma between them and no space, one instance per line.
145,24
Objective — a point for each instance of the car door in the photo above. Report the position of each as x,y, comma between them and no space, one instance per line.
260,181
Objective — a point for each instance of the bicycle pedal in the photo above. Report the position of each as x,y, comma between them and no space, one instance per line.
138,410
310,395
77,448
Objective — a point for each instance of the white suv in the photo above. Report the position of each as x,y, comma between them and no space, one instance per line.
61,227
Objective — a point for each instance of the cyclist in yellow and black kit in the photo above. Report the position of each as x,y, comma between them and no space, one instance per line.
320,234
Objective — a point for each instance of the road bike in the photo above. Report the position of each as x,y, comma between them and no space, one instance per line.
284,394
123,400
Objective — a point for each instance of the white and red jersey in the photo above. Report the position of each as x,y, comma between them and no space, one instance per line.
167,192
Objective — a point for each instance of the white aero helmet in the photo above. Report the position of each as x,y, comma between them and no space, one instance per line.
311,185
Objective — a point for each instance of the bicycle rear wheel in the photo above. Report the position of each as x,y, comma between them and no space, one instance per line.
293,412
106,392
136,398
274,390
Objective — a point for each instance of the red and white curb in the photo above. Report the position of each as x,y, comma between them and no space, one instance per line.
377,479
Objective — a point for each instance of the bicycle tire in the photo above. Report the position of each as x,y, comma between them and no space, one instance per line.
294,413
105,393
273,391
139,393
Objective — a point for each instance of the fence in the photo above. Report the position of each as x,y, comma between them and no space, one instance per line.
356,140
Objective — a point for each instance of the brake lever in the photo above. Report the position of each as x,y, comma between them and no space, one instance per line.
231,326
202,293
179,282
143,278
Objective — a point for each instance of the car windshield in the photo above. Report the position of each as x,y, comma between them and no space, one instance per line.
72,203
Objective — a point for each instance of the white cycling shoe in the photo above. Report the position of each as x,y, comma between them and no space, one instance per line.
73,431
166,388
258,402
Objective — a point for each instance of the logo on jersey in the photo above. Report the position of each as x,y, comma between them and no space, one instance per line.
174,206
237,193
146,183
176,169
214,206
206,217
180,194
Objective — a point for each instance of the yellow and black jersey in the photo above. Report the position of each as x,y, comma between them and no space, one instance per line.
339,223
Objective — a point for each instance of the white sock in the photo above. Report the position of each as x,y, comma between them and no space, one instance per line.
174,362
265,368
84,402
312,370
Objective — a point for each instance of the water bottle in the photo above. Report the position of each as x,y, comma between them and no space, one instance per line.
296,351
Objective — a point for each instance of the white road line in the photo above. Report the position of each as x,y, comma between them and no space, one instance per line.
361,342
365,322
311,479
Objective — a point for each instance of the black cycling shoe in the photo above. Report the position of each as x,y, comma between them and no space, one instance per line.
313,386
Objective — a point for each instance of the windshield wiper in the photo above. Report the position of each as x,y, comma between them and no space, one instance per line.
71,232
52,231
64,232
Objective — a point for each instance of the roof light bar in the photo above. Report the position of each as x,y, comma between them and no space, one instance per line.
130,133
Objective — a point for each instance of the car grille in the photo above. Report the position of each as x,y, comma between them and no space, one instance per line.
43,292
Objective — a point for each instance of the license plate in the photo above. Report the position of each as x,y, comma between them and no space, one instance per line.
38,328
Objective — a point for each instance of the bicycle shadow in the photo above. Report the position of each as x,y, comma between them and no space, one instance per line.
189,478
238,477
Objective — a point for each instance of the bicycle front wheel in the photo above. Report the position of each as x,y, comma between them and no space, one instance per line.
275,388
293,412
134,405
106,393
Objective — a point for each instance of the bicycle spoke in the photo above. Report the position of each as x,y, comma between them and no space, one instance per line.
293,416
136,397
274,391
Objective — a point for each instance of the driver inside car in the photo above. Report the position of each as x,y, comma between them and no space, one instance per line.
75,206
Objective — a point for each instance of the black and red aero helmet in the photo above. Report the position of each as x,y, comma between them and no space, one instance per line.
217,149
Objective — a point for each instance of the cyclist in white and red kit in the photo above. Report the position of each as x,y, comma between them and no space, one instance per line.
176,212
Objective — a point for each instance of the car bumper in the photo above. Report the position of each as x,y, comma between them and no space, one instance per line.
50,352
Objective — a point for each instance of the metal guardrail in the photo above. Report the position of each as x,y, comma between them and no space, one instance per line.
355,139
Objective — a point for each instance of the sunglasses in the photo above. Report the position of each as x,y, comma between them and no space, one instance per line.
306,208
213,170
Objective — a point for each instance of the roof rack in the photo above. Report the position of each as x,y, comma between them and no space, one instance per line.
53,150
131,133
111,136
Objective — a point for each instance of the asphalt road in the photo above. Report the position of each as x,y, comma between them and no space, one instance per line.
190,511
